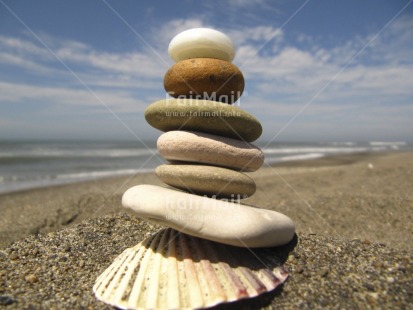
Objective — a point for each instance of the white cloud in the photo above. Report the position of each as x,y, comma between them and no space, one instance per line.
241,12
395,44
178,25
354,121
166,32
82,57
328,75
22,46
19,61
25,54
136,64
245,3
118,101
261,34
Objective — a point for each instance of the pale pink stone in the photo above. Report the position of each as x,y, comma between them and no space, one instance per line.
198,147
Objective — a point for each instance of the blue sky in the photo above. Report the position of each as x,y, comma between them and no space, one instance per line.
314,70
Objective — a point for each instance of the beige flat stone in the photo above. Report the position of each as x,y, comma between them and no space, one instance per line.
207,180
204,148
209,218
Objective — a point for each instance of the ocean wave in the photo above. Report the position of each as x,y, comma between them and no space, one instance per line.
31,165
19,182
101,174
347,143
273,160
315,150
101,153
394,145
387,143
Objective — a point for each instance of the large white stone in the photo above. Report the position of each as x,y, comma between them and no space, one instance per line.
208,218
201,43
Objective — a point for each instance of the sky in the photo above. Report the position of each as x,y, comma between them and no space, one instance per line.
315,70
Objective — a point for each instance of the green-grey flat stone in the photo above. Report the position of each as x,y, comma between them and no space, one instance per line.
205,116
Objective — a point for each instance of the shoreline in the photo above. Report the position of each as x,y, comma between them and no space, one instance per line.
337,195
327,160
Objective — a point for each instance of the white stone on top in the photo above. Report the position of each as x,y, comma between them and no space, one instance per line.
201,43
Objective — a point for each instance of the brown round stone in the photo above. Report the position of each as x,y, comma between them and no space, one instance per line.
205,78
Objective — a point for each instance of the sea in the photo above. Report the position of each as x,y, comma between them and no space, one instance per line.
33,164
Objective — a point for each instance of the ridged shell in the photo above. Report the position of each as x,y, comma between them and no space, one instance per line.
172,270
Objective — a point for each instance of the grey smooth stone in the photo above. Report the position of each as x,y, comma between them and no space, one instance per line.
207,180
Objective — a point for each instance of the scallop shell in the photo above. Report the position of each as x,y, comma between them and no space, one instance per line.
172,270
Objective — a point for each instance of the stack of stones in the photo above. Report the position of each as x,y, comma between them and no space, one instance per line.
206,162
207,143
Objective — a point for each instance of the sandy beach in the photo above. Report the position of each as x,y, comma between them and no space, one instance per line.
353,215
365,196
